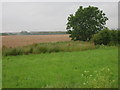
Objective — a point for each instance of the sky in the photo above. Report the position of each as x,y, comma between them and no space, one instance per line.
49,16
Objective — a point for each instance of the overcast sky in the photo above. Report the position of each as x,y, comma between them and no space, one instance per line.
49,16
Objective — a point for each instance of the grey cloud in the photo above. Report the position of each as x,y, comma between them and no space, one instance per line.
48,16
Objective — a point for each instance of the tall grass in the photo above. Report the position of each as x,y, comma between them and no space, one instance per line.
48,48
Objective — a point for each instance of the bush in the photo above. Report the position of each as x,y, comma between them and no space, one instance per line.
28,50
114,37
106,37
48,48
103,37
12,51
118,37
40,49
54,49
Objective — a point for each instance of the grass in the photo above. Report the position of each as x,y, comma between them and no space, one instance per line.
68,46
87,69
0,69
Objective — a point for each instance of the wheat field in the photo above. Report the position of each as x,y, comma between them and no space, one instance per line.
23,40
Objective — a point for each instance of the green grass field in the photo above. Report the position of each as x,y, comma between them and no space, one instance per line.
96,68
0,69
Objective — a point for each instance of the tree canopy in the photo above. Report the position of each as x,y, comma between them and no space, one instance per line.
86,22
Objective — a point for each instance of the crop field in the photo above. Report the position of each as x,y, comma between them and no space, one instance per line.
24,40
53,61
80,69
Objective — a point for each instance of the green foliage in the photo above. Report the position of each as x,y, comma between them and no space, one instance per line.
48,48
54,49
106,37
118,37
12,52
114,37
27,50
102,37
86,22
88,69
40,49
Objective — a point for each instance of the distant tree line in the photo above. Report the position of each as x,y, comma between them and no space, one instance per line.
36,33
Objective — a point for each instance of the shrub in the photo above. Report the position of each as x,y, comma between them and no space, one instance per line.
48,48
103,37
106,37
27,50
40,49
54,49
114,37
12,51
118,37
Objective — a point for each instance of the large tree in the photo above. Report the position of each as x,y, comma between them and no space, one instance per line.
86,22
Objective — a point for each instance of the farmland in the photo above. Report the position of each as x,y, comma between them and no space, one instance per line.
47,61
24,40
